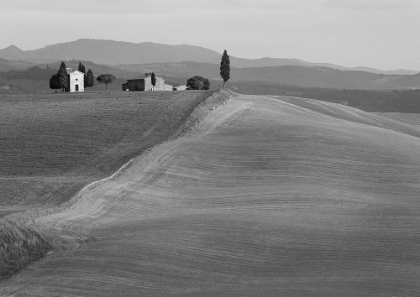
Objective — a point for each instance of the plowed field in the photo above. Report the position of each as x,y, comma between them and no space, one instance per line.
266,197
51,145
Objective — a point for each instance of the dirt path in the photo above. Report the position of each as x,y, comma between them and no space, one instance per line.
266,197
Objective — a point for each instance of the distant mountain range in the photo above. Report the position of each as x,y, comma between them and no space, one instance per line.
178,63
126,53
110,52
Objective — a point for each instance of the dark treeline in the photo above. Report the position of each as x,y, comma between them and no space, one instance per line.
37,73
88,63
33,73
406,101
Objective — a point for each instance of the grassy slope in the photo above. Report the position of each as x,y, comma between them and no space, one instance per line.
268,197
410,119
51,145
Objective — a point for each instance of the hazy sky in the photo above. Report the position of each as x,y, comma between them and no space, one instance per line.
376,33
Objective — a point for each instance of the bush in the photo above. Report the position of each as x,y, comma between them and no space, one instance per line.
198,83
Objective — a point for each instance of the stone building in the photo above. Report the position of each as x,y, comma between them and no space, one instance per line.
145,84
76,81
180,88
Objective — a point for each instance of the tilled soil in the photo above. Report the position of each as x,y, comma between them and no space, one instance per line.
266,197
52,145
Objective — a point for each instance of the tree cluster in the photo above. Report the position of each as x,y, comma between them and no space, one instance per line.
89,79
61,79
198,83
201,83
33,73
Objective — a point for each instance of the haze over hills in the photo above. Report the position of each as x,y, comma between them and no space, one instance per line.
271,62
128,60
36,77
303,76
242,79
117,52
14,53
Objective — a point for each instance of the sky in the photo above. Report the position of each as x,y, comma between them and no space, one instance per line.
382,34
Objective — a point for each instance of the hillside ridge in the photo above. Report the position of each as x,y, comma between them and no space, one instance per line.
12,224
264,190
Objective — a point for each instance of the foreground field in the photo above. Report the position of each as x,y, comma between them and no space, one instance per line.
267,197
52,145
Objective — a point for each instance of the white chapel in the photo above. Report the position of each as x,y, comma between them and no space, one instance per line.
76,81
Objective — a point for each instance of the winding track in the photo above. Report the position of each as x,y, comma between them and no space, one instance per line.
266,197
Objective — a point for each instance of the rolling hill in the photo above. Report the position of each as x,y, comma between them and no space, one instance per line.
54,144
266,197
257,80
272,62
302,76
7,65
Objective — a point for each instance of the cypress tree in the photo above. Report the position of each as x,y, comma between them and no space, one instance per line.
225,68
81,68
54,83
89,79
153,78
63,77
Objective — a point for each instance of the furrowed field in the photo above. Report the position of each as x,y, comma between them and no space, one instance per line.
266,196
51,145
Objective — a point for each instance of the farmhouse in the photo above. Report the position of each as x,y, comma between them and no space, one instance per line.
76,81
180,88
145,84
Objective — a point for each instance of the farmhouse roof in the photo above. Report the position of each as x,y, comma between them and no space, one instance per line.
144,78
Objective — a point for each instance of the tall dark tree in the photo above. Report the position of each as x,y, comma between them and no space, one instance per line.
153,78
81,68
63,76
89,79
105,79
54,82
225,68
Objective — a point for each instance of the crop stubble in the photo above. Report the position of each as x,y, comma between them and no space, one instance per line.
52,145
